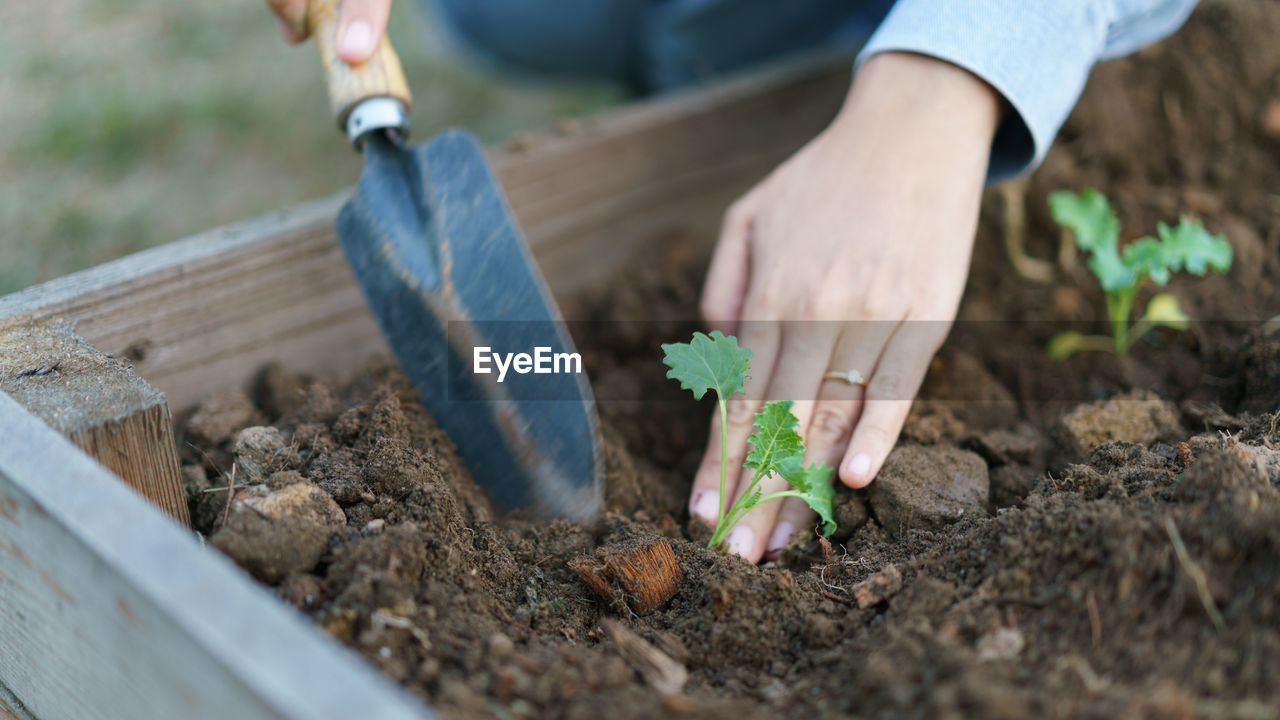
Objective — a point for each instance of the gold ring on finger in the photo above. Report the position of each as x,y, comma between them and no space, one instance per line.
851,376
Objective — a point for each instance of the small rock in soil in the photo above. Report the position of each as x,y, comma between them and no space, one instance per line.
220,417
1001,644
1139,417
300,500
928,487
261,451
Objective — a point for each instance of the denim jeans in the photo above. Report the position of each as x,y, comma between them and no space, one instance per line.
651,45
1036,53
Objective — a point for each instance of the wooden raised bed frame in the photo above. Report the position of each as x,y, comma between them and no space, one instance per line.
108,609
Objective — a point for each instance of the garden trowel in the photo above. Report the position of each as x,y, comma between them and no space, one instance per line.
448,275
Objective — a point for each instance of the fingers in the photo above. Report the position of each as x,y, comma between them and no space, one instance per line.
798,374
888,398
361,25
749,537
291,15
793,516
830,425
726,282
840,403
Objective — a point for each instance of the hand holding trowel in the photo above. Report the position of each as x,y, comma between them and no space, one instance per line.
445,270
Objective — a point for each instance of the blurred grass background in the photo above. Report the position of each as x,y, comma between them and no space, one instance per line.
130,123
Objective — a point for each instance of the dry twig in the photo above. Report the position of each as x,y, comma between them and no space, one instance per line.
659,670
1095,620
1195,573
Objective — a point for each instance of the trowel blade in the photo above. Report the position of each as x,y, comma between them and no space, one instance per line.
445,270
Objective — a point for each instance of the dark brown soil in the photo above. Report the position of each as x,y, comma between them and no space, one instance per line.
1094,538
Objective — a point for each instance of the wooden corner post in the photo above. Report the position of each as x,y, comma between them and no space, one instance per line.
99,404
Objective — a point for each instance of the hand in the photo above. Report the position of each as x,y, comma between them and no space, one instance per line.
869,228
361,25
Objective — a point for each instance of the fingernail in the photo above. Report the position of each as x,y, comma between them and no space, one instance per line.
859,467
742,541
357,40
707,506
780,537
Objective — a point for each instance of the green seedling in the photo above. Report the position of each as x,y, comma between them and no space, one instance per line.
1188,247
715,362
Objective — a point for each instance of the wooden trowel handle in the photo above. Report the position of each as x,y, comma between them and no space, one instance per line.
349,85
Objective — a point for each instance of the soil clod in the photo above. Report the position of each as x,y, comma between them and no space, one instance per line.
879,587
1138,417
928,487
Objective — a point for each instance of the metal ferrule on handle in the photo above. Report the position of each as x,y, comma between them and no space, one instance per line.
380,113
372,95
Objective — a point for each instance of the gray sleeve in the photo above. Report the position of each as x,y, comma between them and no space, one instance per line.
1036,53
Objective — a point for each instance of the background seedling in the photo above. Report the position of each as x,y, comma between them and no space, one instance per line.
715,362
1187,246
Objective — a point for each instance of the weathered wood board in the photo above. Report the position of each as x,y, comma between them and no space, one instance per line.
99,404
107,608
11,707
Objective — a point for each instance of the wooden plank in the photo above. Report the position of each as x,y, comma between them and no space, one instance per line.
11,708
99,404
109,610
202,314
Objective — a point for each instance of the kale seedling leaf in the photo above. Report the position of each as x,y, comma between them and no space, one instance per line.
1090,217
1187,246
813,482
1147,256
713,362
1190,247
775,440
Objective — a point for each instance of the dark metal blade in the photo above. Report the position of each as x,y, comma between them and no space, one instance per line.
445,270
